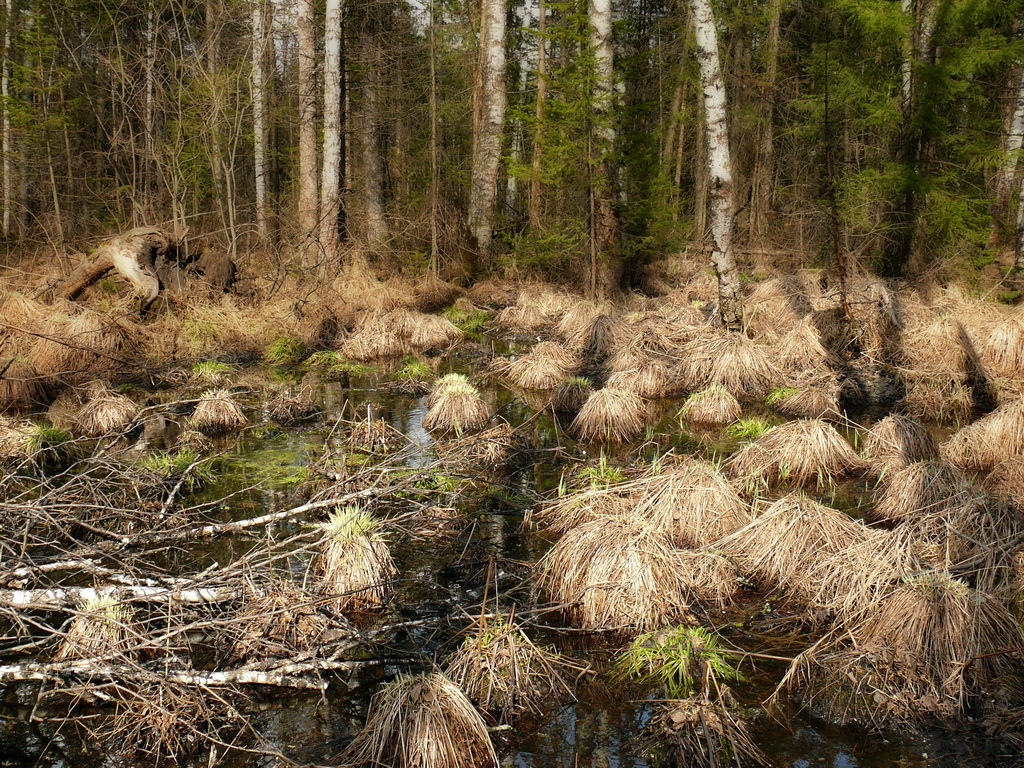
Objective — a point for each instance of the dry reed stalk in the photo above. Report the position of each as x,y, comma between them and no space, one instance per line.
733,361
355,564
937,396
1003,350
616,574
106,412
990,440
500,669
801,349
455,406
920,488
99,629
573,393
700,733
897,441
545,367
929,649
691,503
421,721
217,411
281,622
1006,481
712,405
611,415
802,452
785,543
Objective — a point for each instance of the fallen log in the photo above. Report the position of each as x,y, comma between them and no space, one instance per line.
133,254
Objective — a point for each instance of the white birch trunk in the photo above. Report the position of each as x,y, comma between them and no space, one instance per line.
307,204
330,181
258,127
719,163
1018,244
605,271
1014,140
489,120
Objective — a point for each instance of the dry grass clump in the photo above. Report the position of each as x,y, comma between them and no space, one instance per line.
700,733
433,332
920,488
611,415
1006,481
898,441
99,629
500,669
374,436
801,349
20,385
279,623
535,311
421,721
938,345
946,397
572,510
16,440
589,329
711,577
217,411
792,536
732,360
691,503
649,379
288,409
811,396
106,412
929,648
1003,350
777,305
355,564
545,367
78,341
801,452
455,405
713,405
375,339
491,448
573,393
990,440
616,574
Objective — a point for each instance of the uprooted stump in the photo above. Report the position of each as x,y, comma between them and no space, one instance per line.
133,254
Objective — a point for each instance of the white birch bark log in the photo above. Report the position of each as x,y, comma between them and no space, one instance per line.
330,180
307,204
489,120
259,130
719,163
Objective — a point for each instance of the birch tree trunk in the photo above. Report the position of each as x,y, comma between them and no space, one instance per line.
330,182
1018,243
258,126
307,203
1011,154
719,163
488,124
605,265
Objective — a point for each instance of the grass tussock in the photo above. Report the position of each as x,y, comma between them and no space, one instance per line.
546,366
616,574
680,660
990,440
813,396
1002,354
650,379
692,503
20,385
15,440
535,312
945,398
1006,481
292,409
98,630
928,650
783,544
81,340
355,564
573,393
421,721
106,412
777,305
898,441
374,436
733,361
699,732
455,405
217,411
713,405
379,336
803,452
572,509
611,415
279,623
433,332
491,448
920,488
590,330
211,373
500,669
801,350
938,345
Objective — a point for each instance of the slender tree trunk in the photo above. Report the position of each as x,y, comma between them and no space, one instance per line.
258,128
1011,155
603,188
488,125
331,178
536,187
764,161
5,94
719,164
369,139
435,265
308,204
149,118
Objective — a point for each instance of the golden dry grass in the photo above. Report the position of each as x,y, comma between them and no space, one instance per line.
99,629
546,366
801,349
802,452
105,412
1006,481
421,721
919,488
814,395
611,415
284,620
713,405
455,405
573,393
217,411
649,379
572,510
898,441
20,385
990,440
433,332
700,733
945,397
1002,353
731,360
355,565
616,574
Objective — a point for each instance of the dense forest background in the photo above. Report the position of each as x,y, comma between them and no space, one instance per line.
547,136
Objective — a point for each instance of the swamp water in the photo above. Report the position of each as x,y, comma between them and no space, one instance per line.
443,581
